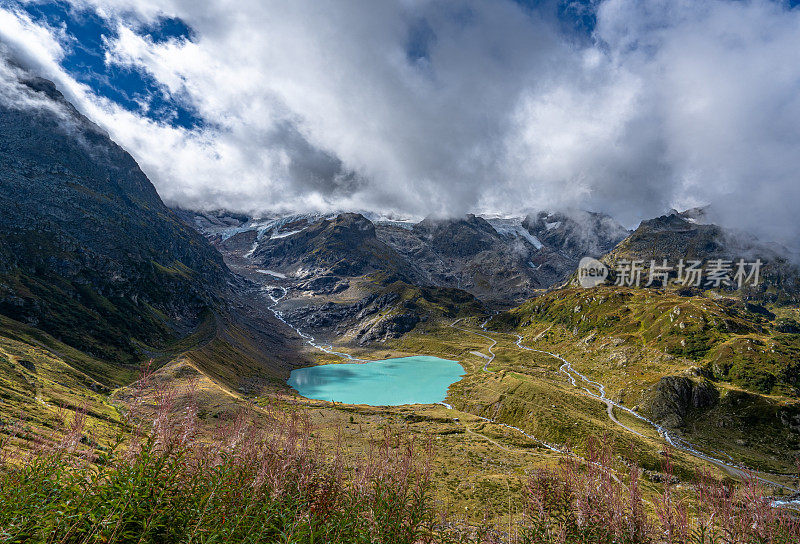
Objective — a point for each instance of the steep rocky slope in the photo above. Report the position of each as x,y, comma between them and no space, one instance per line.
497,259
334,275
92,256
344,246
469,253
90,253
502,260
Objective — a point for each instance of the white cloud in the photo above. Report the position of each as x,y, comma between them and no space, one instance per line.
318,105
722,79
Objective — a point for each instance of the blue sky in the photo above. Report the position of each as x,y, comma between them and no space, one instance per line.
138,91
131,88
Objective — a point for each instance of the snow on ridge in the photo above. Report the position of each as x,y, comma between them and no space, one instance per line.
553,225
530,237
285,234
391,220
270,228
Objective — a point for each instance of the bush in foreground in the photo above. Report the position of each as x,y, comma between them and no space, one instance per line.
263,480
587,502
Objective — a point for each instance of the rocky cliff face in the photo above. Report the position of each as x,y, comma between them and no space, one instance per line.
89,252
469,253
675,236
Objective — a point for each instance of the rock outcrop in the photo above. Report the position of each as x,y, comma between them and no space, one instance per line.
344,246
676,397
689,236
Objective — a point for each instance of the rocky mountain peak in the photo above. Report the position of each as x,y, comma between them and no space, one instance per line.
673,221
355,223
458,237
687,235
344,246
471,221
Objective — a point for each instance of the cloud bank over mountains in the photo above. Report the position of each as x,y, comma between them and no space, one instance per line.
444,107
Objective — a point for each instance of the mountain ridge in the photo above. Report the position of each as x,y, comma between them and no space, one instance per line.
496,259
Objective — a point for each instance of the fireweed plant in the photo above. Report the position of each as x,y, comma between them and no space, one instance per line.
586,502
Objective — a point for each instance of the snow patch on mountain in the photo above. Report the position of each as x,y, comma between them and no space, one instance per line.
553,225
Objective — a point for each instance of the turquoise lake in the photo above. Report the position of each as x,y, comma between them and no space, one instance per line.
406,380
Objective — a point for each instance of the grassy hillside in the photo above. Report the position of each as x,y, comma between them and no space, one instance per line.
44,383
718,370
